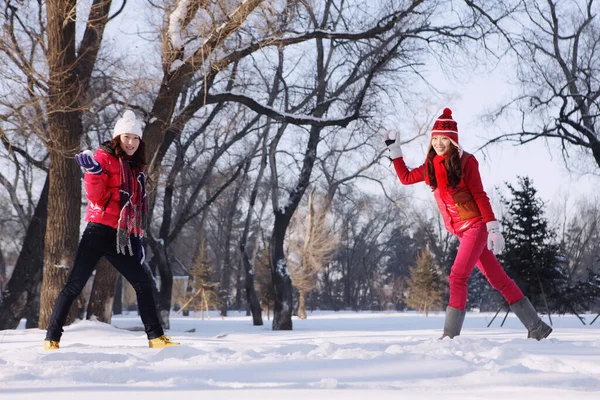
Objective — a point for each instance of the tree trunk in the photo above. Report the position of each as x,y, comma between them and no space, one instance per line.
225,281
64,122
2,272
27,275
32,313
103,292
301,304
61,240
118,299
226,271
282,282
251,296
238,290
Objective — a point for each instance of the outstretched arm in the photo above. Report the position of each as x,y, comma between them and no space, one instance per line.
407,177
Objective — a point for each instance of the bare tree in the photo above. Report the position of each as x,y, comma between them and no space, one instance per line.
556,49
581,241
226,239
41,45
23,287
364,223
247,259
69,70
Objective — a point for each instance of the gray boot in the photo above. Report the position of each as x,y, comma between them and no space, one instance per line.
537,329
453,323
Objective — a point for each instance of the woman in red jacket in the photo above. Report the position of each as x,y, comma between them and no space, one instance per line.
453,175
115,188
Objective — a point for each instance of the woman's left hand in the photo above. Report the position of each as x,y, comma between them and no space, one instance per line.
495,241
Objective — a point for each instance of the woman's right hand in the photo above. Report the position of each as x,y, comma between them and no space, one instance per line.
392,144
86,160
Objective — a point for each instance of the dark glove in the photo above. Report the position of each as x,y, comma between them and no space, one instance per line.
86,160
141,178
137,244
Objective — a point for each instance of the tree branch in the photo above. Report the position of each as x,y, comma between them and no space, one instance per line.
294,119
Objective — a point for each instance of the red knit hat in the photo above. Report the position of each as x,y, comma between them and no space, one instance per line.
446,126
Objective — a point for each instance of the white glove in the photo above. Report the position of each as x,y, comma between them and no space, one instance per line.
495,241
392,144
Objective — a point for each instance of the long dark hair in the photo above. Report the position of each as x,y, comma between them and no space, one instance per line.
452,164
138,158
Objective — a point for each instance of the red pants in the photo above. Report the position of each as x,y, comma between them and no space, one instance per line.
473,251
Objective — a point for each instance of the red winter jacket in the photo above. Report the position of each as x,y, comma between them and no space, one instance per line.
102,190
462,206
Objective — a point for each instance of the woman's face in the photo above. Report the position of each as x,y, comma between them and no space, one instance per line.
129,143
441,145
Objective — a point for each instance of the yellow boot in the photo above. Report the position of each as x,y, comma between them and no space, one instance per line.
161,342
51,345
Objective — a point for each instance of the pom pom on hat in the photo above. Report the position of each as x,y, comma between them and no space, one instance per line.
445,126
128,124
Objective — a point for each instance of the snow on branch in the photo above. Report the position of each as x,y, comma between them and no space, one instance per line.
176,22
295,119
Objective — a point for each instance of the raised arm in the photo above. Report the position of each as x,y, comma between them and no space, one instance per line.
407,177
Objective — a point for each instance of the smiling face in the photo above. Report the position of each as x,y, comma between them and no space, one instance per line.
441,144
129,143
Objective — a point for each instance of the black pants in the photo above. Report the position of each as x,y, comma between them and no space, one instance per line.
100,241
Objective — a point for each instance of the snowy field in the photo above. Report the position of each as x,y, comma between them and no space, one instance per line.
330,356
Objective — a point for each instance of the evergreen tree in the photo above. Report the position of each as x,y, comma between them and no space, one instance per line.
203,289
402,253
443,245
425,285
531,257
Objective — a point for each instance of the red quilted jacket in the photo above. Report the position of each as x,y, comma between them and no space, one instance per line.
462,206
102,190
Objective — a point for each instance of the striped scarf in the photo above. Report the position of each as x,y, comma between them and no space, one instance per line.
133,206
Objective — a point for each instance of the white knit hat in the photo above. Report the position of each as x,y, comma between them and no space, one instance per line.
128,124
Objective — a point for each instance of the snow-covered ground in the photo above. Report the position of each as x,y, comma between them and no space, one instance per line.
330,356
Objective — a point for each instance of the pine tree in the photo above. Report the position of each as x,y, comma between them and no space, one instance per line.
203,289
531,257
425,285
402,252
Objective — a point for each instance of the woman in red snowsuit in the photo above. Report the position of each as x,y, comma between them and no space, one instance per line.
116,191
453,175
